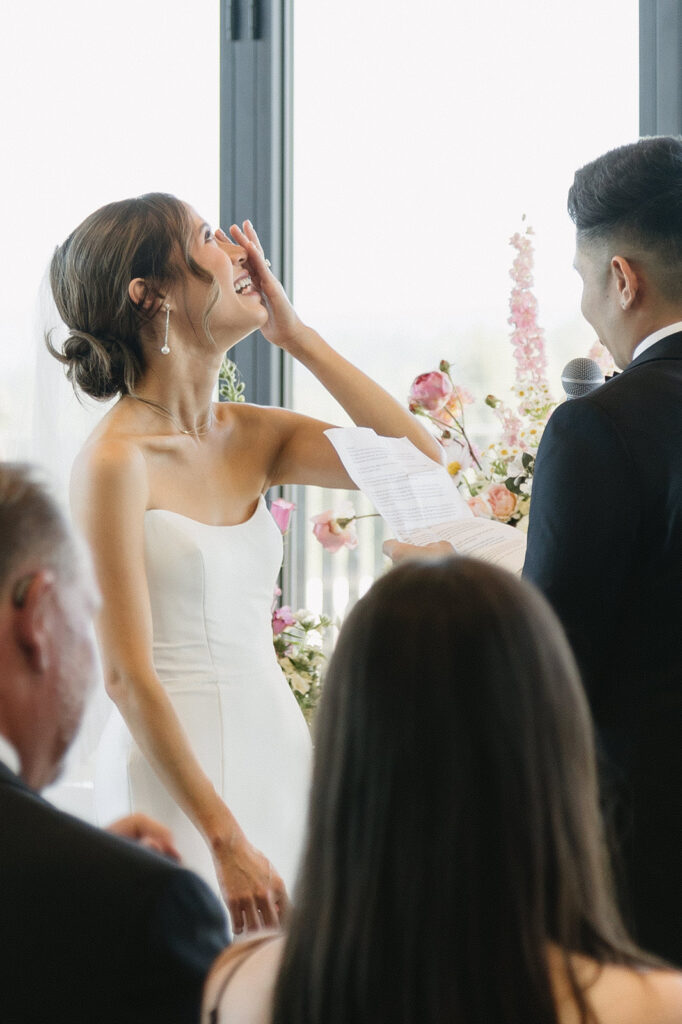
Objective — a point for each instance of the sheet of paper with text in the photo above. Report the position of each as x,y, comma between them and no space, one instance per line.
418,499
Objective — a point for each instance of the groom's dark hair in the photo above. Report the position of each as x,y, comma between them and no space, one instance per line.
631,199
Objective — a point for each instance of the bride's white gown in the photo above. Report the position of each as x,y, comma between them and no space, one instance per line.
211,591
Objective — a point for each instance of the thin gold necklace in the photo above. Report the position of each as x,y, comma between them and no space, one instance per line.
163,411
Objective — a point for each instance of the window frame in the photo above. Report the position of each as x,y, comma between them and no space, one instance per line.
660,67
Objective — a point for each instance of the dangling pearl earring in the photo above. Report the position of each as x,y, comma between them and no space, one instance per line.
164,348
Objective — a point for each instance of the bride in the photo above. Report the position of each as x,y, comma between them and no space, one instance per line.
206,735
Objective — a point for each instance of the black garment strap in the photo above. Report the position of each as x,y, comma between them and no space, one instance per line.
255,945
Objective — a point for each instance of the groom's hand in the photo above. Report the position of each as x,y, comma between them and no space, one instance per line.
146,832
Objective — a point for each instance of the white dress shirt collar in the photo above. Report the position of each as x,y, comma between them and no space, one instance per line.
656,336
8,755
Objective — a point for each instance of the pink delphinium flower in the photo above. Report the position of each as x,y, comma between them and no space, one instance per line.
334,532
528,338
429,392
281,510
282,618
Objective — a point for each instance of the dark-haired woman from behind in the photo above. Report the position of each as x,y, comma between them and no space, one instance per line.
455,870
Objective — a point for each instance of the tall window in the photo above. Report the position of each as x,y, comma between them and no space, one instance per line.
99,102
422,135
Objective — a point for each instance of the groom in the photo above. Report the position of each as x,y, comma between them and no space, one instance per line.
605,532
95,927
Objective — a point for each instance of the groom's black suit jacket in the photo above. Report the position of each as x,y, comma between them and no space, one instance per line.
605,546
94,928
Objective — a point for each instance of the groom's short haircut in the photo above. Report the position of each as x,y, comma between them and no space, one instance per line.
32,526
630,199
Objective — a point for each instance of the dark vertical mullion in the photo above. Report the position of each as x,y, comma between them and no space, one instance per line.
660,67
251,165
255,182
647,67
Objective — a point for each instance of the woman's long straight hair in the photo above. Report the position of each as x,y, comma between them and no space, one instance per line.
454,829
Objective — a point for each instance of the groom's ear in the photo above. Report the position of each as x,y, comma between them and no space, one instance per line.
141,295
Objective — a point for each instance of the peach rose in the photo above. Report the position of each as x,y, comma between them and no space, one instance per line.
480,507
501,501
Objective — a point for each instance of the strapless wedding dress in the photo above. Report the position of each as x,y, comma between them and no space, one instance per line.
211,590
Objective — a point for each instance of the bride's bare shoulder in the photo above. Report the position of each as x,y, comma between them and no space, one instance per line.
109,463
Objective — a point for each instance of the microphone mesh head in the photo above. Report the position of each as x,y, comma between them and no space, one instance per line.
580,376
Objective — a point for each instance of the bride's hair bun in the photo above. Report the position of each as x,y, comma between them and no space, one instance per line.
90,274
101,368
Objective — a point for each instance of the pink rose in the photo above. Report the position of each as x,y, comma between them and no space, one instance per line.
281,619
429,391
480,507
334,532
501,501
281,510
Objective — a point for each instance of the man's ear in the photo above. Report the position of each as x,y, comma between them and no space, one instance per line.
142,296
33,600
626,280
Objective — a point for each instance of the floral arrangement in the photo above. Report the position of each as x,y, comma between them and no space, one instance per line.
497,481
298,636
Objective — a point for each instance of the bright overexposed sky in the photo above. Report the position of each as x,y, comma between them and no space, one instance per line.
423,134
97,102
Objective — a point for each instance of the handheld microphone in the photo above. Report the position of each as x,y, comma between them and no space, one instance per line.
580,376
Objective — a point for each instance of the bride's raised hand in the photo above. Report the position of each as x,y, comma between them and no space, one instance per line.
254,892
283,322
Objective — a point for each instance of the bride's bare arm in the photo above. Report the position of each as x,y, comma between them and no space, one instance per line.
365,401
109,495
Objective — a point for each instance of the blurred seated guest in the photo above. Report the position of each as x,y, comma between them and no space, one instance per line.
455,868
95,927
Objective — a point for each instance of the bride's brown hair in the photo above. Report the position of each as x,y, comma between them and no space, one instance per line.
148,237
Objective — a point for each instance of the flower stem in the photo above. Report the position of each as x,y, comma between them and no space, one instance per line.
343,523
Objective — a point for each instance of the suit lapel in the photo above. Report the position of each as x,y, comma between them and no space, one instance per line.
666,348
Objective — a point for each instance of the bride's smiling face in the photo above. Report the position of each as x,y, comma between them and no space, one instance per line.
239,309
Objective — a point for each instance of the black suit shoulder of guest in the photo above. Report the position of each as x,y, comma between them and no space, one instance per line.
95,927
